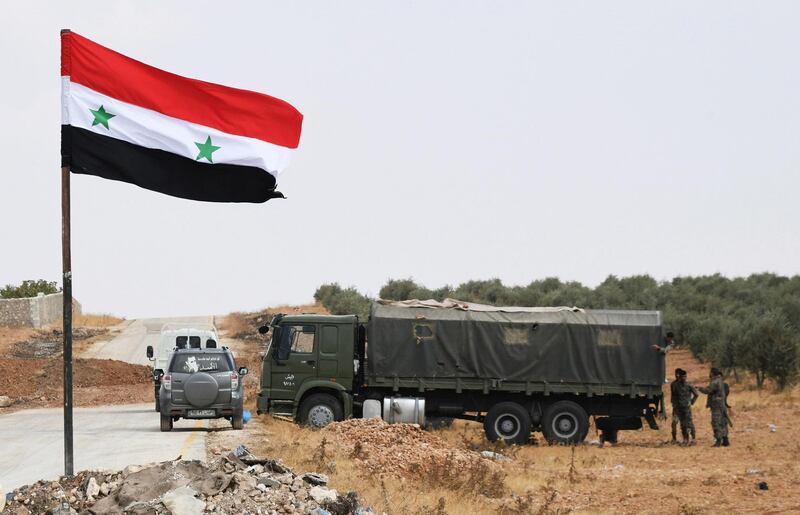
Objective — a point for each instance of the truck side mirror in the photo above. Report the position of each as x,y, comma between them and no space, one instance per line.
264,329
243,371
150,352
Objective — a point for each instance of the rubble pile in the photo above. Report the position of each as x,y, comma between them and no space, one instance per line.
237,483
44,344
399,449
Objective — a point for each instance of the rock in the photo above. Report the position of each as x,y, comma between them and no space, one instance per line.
496,456
92,488
773,428
244,482
321,494
754,472
285,479
64,509
315,479
131,469
763,485
255,469
269,482
182,501
104,489
5,401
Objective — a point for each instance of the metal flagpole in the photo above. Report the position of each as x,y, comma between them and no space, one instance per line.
67,301
66,266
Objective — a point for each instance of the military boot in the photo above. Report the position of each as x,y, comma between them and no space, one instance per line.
725,441
717,443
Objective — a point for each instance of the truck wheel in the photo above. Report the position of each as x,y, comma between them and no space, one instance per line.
158,404
237,421
565,422
320,409
508,421
166,423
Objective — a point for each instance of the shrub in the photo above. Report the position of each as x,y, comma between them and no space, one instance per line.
29,288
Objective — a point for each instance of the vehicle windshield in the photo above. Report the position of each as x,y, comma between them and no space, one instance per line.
185,363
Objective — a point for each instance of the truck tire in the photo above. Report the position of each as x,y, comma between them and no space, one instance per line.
565,422
508,421
237,421
320,409
158,402
166,423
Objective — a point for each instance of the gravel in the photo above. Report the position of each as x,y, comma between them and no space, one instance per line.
403,450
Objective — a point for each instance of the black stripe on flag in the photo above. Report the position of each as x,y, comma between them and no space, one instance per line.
89,153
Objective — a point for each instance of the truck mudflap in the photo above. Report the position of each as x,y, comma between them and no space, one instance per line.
650,417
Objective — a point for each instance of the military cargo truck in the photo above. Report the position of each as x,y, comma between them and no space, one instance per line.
517,370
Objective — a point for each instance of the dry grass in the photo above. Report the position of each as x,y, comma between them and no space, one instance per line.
96,320
9,336
234,324
244,326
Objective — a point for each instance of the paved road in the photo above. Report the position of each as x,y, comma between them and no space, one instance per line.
32,441
109,437
130,344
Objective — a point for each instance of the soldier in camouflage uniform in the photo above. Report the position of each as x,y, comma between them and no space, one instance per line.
683,396
717,401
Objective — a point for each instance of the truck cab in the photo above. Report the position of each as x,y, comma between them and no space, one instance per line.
309,368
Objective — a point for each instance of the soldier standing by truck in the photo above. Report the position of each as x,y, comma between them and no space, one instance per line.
717,401
683,397
669,343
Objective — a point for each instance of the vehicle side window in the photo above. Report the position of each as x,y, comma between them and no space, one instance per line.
330,339
303,339
295,339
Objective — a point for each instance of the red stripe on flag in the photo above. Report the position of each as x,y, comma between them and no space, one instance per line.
231,110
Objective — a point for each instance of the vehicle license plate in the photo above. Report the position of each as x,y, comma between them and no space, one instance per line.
202,413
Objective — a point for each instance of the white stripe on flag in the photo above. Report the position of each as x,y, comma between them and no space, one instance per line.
151,129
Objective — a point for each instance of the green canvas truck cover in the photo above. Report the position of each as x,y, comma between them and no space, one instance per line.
414,339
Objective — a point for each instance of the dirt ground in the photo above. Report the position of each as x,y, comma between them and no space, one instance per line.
32,374
643,473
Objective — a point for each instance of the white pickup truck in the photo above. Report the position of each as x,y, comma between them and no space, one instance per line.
178,336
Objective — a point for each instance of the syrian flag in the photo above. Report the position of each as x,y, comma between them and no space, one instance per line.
127,121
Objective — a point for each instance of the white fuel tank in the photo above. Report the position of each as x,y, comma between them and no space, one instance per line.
408,410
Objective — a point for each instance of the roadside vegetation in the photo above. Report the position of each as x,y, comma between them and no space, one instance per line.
29,288
744,324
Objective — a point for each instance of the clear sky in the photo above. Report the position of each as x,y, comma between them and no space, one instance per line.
443,141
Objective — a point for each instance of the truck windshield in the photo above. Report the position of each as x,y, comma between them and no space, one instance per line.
191,363
283,343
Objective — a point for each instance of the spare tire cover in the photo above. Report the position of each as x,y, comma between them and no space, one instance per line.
201,389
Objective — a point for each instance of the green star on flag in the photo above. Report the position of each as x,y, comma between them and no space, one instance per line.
101,117
206,149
